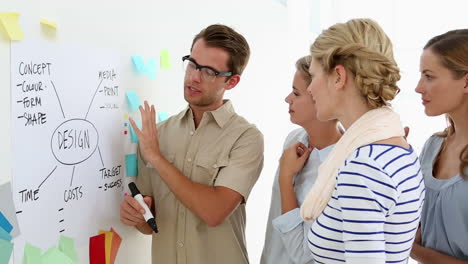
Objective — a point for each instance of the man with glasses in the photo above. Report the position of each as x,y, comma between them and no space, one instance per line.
197,168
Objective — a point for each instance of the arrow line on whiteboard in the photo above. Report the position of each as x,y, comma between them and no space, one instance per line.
93,98
99,149
47,177
73,173
58,98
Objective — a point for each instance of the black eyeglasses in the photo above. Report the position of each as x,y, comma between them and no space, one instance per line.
207,72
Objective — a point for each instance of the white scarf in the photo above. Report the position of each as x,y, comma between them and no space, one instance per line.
375,125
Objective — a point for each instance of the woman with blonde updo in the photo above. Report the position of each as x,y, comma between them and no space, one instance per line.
366,202
443,237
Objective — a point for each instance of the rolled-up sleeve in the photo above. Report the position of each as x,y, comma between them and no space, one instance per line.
293,232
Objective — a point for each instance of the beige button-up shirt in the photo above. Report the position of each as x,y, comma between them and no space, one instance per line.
225,150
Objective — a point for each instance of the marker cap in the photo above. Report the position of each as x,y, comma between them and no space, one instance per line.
133,189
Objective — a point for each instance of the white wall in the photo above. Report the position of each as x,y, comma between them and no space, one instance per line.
278,35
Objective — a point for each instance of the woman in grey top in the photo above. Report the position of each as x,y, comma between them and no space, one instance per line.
443,235
304,150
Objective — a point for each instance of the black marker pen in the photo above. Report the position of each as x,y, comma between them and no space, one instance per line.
148,215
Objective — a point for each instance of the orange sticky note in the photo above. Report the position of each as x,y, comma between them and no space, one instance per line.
116,240
112,244
10,23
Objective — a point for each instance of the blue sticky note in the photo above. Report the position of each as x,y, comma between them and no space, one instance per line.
162,116
4,235
6,247
132,100
139,63
151,68
133,135
5,224
131,164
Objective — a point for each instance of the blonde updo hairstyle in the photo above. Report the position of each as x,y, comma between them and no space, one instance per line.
364,50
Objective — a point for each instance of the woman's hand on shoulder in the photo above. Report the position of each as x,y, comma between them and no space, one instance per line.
293,159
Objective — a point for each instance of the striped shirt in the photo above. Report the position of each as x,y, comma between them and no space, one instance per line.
374,212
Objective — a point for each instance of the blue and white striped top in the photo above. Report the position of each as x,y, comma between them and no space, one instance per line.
374,211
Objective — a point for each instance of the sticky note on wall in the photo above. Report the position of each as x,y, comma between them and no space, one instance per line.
133,100
138,63
116,241
8,211
66,245
4,223
131,165
165,60
6,247
112,244
97,249
48,23
162,116
4,234
107,244
10,23
151,68
55,256
32,254
133,135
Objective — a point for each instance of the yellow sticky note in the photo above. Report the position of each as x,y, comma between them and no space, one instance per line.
48,23
11,25
108,244
165,60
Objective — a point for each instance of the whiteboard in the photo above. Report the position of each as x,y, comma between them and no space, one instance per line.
145,28
68,123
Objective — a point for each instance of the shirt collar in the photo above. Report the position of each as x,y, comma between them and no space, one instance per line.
220,115
185,112
322,153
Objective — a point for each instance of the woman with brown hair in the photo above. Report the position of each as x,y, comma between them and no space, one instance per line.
443,236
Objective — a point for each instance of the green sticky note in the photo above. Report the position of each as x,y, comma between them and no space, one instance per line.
138,64
11,25
55,256
133,135
32,254
133,100
151,68
131,164
4,234
162,116
165,60
66,245
6,247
